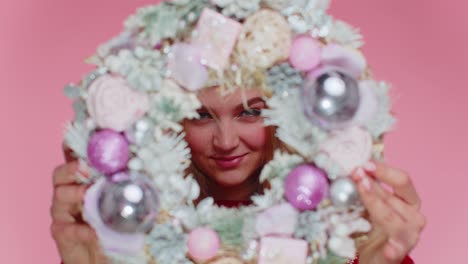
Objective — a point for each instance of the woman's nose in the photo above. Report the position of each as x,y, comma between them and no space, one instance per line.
226,138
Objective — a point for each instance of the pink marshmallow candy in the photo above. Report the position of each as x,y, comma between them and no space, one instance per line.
305,53
277,250
216,38
203,243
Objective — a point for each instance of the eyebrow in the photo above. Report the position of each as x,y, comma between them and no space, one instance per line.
241,105
251,102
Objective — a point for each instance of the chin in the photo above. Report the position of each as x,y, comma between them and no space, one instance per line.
230,179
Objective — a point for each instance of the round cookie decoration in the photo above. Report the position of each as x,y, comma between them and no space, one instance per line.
328,113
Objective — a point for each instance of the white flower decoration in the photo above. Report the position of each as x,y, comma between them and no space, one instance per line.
113,104
349,148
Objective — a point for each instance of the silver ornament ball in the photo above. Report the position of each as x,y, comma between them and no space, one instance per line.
343,192
331,100
141,132
129,206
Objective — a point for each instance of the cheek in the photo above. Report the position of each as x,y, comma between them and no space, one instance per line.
255,136
198,138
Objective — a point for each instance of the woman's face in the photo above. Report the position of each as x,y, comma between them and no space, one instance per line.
228,142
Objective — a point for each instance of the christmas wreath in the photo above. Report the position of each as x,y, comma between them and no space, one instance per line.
327,111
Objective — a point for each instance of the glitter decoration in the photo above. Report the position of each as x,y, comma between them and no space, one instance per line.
305,187
108,151
216,36
265,39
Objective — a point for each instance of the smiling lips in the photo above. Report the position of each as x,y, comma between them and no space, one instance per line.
228,162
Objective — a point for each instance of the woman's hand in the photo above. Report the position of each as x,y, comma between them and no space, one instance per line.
76,241
394,213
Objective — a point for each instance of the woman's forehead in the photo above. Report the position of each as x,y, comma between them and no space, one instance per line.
213,98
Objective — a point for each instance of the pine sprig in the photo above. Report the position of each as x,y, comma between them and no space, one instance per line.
383,121
294,129
166,20
167,244
77,137
172,105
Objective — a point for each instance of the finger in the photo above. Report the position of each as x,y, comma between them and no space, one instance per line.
66,212
65,173
72,232
412,218
70,173
375,204
400,182
408,213
403,234
69,194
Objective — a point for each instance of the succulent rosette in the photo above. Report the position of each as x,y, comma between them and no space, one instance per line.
328,112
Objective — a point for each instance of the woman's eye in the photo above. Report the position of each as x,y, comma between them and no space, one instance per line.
203,115
251,112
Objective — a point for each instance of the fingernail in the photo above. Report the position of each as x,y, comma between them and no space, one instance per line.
82,172
369,166
366,184
358,175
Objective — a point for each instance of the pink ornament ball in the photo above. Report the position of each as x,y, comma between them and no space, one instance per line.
108,151
305,53
306,186
203,243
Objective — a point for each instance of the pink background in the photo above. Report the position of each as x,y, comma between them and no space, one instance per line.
419,45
